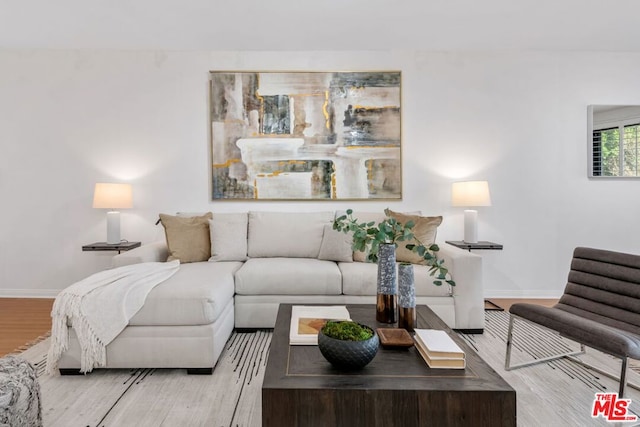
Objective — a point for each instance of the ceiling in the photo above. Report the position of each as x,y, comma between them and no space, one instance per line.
592,25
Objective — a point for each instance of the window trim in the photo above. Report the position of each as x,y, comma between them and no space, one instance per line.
606,125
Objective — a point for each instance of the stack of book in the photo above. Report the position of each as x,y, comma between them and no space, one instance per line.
438,349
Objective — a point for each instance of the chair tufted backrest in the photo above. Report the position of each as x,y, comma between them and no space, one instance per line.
604,286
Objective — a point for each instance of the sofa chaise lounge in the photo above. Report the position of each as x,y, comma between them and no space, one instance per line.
257,261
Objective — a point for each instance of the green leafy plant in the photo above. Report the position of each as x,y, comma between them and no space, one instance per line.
368,236
346,330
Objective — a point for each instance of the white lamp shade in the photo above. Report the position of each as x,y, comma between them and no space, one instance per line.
470,194
112,196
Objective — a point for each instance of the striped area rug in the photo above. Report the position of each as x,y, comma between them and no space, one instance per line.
161,397
558,393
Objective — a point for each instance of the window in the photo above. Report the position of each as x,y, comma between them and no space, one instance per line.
615,150
630,150
614,146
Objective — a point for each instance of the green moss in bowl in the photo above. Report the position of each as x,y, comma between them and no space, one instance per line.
346,330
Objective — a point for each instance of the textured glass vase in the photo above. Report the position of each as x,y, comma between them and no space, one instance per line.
386,304
407,299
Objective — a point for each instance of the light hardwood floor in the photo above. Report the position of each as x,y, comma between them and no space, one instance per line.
23,320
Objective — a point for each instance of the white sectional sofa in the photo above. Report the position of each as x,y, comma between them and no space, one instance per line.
259,260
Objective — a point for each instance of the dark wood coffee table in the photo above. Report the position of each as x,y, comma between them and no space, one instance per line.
396,389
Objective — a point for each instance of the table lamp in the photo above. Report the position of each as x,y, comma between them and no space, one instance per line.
470,194
112,197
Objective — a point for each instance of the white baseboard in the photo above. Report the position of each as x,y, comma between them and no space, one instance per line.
524,293
29,293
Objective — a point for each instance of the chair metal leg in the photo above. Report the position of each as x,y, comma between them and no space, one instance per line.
623,376
507,358
507,362
571,356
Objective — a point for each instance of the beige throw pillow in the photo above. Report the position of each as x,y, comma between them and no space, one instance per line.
188,238
425,230
336,245
286,234
228,237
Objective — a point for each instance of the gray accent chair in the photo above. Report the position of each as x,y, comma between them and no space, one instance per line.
600,308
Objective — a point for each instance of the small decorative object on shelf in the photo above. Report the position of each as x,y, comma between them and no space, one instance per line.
407,300
387,298
348,345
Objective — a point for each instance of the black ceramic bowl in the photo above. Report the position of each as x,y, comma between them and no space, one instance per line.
348,355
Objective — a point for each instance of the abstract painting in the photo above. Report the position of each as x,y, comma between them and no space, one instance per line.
306,135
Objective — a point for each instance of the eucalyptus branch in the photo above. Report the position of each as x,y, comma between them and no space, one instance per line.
368,236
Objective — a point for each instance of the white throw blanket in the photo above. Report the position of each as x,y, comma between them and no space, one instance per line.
100,307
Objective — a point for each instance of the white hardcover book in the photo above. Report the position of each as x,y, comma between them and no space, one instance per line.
440,362
438,344
307,320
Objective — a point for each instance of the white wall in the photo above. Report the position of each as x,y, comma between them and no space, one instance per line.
69,119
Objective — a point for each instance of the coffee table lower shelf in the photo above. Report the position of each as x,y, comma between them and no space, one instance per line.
396,389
